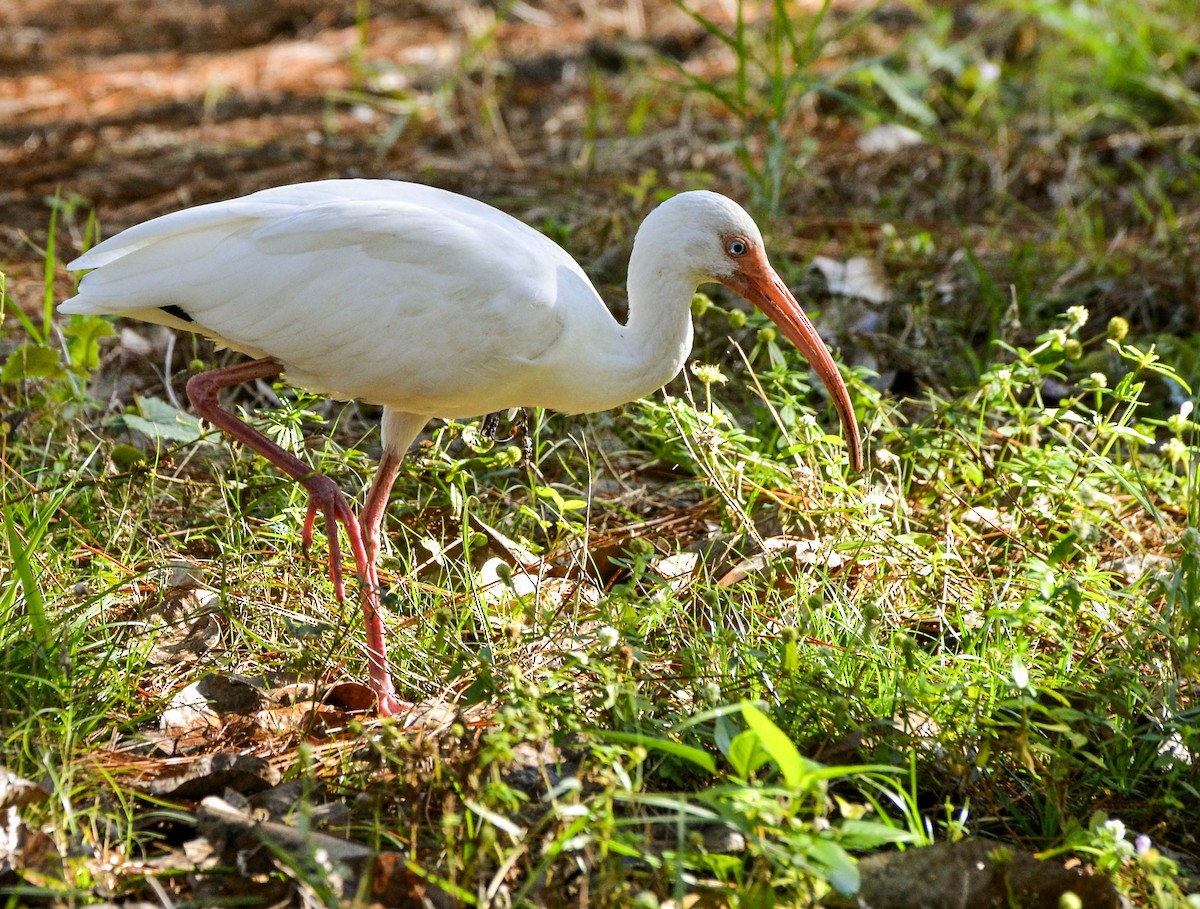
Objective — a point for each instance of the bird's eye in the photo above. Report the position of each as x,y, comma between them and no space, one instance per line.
737,247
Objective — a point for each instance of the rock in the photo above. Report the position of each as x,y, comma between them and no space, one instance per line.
973,874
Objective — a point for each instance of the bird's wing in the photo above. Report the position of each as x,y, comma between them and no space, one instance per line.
389,300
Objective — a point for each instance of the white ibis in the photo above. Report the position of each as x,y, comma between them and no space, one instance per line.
431,304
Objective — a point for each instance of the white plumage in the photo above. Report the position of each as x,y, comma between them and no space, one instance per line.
430,304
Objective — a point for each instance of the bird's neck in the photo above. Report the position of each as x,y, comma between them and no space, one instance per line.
603,364
658,331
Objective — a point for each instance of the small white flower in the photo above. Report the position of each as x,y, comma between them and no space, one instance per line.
1077,317
710,691
608,637
1175,451
709,373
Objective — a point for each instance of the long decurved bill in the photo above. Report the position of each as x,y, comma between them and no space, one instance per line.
757,281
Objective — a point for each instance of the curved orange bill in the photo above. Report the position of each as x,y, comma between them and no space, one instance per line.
757,281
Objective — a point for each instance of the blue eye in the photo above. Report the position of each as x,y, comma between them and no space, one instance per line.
737,247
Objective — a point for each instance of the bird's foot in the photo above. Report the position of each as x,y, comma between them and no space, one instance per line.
310,524
327,498
392,706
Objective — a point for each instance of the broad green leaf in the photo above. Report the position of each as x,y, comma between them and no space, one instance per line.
840,868
84,334
30,361
746,753
1020,673
1064,548
163,423
776,743
865,835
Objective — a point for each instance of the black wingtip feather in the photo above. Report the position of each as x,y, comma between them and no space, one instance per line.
173,310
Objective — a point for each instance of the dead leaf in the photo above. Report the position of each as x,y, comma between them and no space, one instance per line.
352,697
199,713
393,883
187,619
21,848
787,553
888,138
857,277
210,773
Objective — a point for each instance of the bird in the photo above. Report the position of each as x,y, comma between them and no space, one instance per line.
430,304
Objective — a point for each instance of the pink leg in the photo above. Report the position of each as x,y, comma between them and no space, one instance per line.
370,520
371,517
325,497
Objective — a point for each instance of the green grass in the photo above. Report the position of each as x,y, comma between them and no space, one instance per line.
993,632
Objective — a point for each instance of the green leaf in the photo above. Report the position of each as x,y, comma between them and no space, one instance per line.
126,457
775,742
905,101
18,550
697,756
30,361
724,730
1020,673
1064,548
864,835
163,423
84,334
841,871
746,753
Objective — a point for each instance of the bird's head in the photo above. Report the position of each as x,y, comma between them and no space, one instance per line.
715,238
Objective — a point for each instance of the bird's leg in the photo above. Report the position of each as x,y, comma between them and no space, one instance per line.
324,495
371,520
371,517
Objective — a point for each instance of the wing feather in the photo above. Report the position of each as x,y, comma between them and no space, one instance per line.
391,292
